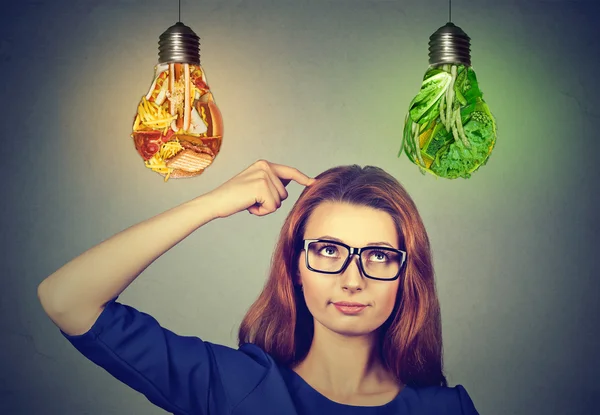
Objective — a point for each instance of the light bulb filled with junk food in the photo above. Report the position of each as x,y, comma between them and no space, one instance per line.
449,130
178,129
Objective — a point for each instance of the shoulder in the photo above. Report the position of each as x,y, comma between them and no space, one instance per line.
248,358
443,399
246,376
178,373
239,371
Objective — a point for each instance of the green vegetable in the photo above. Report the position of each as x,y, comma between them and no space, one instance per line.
459,96
439,138
471,87
449,130
431,90
461,161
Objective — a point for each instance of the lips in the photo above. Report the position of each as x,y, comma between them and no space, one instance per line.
349,304
349,308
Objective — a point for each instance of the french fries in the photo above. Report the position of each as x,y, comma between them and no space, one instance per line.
157,162
152,116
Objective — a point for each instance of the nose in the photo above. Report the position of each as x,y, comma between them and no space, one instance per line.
351,278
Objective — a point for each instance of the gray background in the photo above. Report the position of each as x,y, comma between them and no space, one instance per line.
312,84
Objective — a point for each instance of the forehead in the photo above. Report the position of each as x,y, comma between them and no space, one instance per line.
353,224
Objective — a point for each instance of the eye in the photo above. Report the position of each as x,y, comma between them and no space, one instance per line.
378,256
328,250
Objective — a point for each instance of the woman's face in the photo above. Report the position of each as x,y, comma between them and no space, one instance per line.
356,226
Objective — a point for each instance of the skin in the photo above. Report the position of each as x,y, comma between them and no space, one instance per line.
342,363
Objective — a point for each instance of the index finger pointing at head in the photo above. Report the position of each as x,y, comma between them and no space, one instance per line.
287,173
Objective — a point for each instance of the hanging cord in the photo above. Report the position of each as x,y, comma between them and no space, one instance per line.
450,11
179,11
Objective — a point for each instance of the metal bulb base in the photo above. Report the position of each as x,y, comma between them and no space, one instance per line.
449,45
179,44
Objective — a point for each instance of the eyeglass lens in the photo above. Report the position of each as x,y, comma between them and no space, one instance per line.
377,262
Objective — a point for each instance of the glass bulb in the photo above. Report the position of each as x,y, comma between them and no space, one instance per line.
449,130
178,128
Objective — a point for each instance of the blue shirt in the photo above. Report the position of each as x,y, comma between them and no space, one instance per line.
185,375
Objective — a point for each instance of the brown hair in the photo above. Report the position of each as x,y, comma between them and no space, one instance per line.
410,340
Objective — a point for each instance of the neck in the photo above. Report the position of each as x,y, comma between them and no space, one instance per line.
343,365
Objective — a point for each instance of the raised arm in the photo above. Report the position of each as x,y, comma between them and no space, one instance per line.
181,374
75,295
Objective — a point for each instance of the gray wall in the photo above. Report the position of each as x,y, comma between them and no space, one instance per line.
311,84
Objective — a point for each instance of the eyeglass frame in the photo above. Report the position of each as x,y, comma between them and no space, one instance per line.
358,252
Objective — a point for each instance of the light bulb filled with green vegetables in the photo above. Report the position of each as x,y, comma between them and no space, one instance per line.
449,130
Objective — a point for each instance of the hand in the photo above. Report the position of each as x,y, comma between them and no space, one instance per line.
260,189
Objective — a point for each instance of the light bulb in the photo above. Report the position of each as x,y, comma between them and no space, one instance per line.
449,130
178,128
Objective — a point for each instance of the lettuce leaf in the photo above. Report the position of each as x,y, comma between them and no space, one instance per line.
470,88
431,91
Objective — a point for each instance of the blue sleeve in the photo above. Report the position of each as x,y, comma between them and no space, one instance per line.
180,374
466,404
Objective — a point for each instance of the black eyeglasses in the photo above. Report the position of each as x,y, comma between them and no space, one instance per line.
331,257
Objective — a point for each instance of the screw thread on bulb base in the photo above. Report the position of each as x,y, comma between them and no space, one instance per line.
449,44
179,44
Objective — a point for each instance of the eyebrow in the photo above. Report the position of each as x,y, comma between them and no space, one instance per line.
380,243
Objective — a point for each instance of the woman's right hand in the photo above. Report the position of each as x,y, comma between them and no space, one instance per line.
260,189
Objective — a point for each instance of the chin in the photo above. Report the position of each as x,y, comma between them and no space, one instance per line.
354,333
351,328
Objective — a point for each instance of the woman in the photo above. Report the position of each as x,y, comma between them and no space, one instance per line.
348,321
